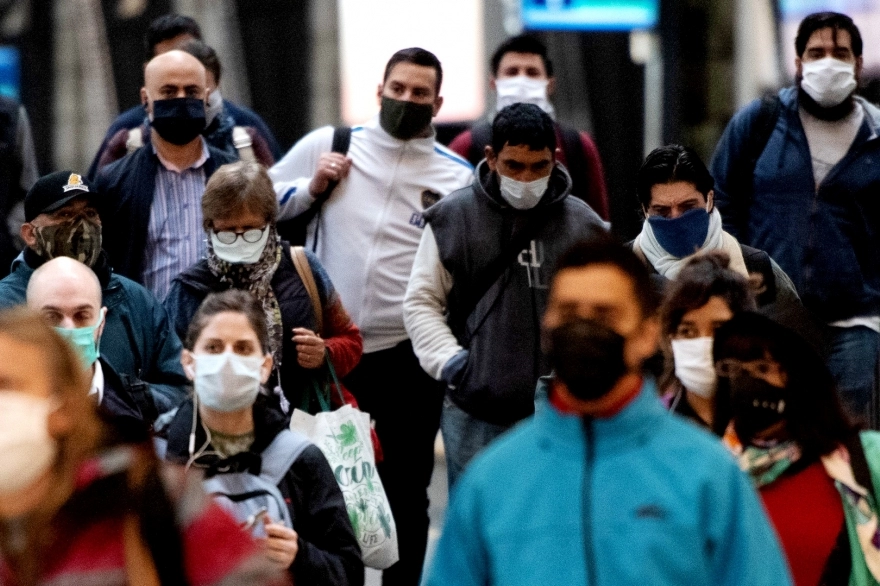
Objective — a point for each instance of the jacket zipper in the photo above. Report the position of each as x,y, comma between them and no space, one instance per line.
586,504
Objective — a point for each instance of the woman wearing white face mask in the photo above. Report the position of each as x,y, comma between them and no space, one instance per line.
229,429
245,252
705,295
80,506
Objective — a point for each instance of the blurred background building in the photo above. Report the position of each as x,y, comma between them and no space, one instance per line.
635,73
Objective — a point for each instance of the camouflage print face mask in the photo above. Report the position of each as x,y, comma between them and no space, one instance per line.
79,239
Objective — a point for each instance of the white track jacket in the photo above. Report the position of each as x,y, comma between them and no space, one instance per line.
371,225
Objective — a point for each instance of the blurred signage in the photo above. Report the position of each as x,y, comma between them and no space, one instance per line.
10,72
370,31
614,15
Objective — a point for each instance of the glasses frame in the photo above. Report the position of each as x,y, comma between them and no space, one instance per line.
251,236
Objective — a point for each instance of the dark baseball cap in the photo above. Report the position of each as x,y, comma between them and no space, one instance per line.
52,192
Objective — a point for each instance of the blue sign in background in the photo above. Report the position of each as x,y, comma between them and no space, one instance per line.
10,72
615,15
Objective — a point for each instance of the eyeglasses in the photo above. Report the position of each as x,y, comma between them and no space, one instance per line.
731,367
249,236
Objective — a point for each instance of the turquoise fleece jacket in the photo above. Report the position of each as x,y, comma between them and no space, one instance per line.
642,499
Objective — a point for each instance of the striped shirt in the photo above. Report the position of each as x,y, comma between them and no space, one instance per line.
175,236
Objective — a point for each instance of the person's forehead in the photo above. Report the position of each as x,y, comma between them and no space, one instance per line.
670,194
229,325
175,68
524,154
64,290
413,74
514,58
830,37
594,285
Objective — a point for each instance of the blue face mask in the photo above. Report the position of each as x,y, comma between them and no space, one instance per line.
684,235
83,340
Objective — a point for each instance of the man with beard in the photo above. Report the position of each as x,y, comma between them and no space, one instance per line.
796,176
602,486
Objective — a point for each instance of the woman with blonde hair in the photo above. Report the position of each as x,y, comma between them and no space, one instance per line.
78,504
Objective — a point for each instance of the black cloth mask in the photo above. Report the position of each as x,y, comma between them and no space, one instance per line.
587,356
179,120
757,405
404,120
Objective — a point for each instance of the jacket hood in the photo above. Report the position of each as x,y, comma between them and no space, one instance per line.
486,185
269,421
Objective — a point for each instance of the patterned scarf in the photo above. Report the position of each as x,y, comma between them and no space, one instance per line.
860,507
763,463
257,279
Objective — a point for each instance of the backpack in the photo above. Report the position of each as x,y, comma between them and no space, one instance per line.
240,138
245,495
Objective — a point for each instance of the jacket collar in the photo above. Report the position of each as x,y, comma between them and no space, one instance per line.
31,261
486,185
269,421
632,426
419,146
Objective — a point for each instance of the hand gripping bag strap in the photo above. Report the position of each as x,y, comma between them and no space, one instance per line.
243,144
304,270
294,230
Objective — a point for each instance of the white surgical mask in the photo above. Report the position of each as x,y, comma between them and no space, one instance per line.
694,366
522,195
227,382
240,252
215,106
28,449
829,81
522,89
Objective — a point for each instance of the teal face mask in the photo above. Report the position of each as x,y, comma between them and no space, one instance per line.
83,340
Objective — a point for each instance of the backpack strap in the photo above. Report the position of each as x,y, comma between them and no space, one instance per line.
135,139
241,138
859,462
280,455
304,270
140,393
481,135
577,165
742,172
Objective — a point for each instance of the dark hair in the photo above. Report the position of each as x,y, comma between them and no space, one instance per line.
205,54
234,300
238,188
669,164
168,26
814,417
522,44
416,56
523,124
705,276
833,20
603,249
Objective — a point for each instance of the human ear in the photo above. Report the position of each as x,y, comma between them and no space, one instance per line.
266,368
188,361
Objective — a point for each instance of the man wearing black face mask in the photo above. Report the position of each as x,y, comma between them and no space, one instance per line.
61,220
366,236
152,198
603,485
797,176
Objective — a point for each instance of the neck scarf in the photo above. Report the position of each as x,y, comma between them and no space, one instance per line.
256,278
763,463
669,266
860,507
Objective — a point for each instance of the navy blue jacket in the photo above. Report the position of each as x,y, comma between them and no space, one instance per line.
138,339
134,117
126,189
827,239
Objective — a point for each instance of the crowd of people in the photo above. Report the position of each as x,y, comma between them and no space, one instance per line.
689,407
